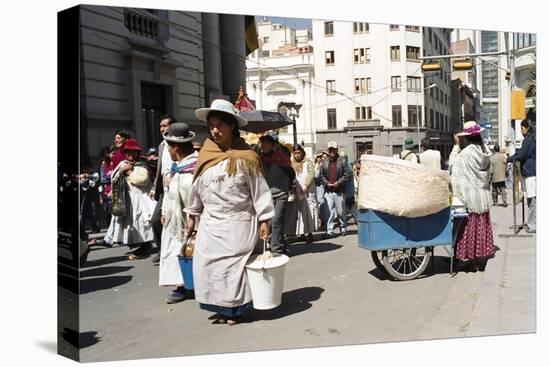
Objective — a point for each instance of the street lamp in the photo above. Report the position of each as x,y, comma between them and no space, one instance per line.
293,112
418,120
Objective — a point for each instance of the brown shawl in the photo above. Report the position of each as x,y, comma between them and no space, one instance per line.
211,154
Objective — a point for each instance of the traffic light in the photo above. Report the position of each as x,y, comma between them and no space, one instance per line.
431,66
507,76
463,64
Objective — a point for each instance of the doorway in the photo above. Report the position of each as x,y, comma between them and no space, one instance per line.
153,106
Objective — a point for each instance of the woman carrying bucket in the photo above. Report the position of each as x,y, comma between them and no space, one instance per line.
234,203
178,138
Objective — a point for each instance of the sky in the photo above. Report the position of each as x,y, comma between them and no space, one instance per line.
290,22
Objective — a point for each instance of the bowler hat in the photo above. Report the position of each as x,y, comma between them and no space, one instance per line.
179,132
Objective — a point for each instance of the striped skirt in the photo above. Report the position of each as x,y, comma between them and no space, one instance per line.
475,239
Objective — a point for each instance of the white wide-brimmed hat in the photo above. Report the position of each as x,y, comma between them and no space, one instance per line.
333,144
223,106
471,128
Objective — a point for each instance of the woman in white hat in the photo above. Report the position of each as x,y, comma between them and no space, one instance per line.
470,166
234,203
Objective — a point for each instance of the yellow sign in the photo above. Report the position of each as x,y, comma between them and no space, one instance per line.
517,104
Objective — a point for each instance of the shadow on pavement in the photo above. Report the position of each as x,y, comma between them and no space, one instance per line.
105,261
294,301
96,284
107,270
80,340
312,248
379,274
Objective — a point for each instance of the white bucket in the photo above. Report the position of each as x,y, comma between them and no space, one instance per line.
266,279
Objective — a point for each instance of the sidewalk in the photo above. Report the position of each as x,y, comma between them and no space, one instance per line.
506,302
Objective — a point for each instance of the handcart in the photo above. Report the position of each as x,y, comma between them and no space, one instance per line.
402,247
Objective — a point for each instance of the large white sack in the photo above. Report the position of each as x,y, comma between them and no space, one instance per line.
401,188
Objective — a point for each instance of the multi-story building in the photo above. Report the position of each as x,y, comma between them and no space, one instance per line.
138,64
491,73
280,75
465,96
371,93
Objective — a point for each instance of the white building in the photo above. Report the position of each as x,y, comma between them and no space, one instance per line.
371,91
281,73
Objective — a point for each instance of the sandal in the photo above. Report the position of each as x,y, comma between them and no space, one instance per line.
234,321
220,320
134,257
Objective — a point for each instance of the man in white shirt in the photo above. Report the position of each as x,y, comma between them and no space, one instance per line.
164,163
430,157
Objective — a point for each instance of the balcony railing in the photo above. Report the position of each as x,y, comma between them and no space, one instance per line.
146,26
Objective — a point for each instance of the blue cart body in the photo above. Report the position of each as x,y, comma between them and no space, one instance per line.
380,231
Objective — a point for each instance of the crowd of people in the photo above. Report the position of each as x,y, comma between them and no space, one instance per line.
229,195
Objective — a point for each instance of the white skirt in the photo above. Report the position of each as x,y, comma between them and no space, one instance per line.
169,267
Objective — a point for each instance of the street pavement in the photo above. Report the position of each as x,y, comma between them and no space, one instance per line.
334,295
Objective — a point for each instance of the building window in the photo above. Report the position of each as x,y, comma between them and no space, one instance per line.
413,53
361,55
266,39
329,28
445,99
396,116
415,115
365,55
395,53
331,118
265,53
395,83
441,95
489,80
431,117
436,94
369,113
361,113
362,85
412,28
394,27
437,120
331,86
413,83
329,57
430,35
446,123
359,27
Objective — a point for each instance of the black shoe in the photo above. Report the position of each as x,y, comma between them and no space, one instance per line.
156,258
309,238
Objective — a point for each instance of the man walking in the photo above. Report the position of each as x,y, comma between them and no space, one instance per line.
429,157
498,175
164,163
334,175
409,153
279,176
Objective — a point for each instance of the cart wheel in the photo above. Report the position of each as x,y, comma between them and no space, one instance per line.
406,263
376,258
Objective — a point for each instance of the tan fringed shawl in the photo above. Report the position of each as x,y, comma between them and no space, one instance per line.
211,154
